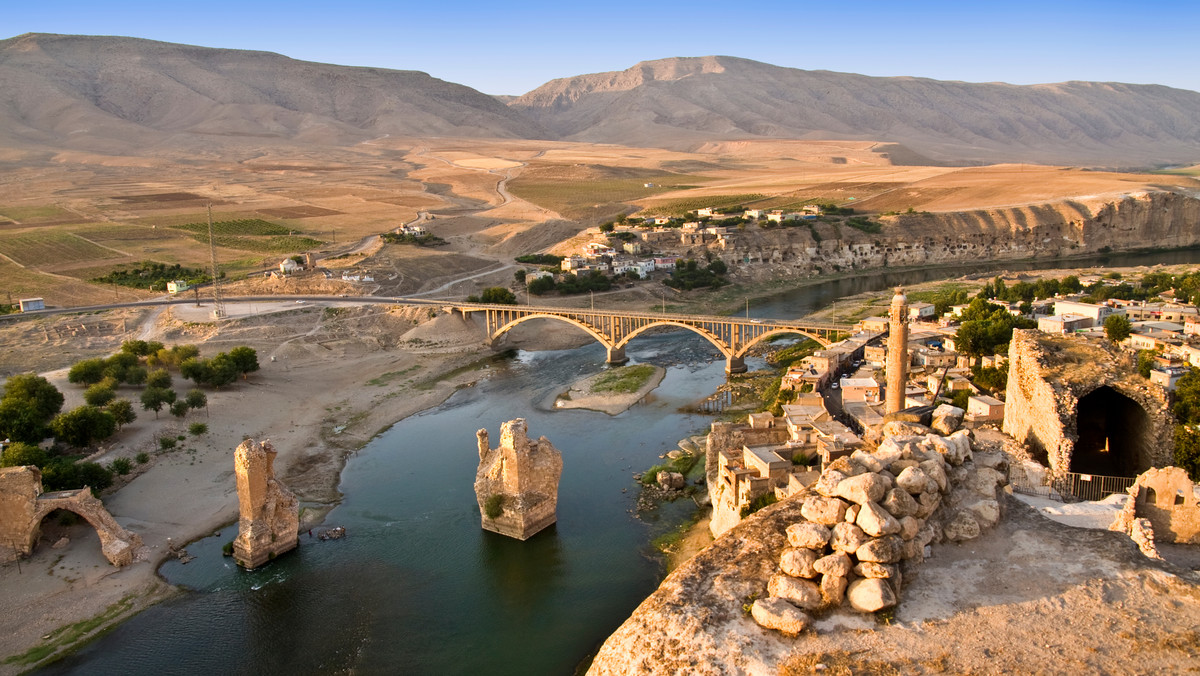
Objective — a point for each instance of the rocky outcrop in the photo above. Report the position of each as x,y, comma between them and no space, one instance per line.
23,505
517,482
1049,375
733,608
268,513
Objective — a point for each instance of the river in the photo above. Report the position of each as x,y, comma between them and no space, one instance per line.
417,587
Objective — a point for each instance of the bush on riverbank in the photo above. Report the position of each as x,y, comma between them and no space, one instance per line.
624,380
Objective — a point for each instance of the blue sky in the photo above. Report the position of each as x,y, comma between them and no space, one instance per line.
512,47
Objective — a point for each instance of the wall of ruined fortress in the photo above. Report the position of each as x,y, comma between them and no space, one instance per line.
1048,375
1068,228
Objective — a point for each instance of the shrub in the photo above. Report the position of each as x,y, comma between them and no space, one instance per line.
121,466
493,506
143,458
166,443
196,429
758,503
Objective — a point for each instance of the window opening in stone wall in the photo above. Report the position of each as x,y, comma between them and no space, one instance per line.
1148,495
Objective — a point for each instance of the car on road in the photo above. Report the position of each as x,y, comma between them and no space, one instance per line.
834,386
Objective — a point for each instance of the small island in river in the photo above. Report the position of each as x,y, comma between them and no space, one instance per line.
614,390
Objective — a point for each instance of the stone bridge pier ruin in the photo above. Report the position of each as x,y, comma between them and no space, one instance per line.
23,505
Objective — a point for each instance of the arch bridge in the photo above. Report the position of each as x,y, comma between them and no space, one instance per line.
614,329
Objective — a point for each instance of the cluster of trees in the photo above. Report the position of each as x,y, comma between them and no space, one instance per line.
407,238
222,369
987,329
540,259
1186,408
153,276
689,275
571,284
497,295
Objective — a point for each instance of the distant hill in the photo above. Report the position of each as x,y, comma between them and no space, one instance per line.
117,94
681,102
125,95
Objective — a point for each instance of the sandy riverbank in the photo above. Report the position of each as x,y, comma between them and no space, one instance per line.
580,394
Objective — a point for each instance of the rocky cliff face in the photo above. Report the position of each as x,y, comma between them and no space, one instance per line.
517,482
1077,227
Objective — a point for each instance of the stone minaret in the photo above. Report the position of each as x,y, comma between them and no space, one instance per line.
897,353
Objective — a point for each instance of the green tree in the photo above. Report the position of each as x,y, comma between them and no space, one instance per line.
607,227
245,359
20,453
221,370
1117,328
179,408
82,426
1070,284
154,398
135,347
86,372
98,395
197,399
195,370
498,295
1187,396
122,411
519,275
136,375
1145,362
27,405
541,285
160,378
1187,450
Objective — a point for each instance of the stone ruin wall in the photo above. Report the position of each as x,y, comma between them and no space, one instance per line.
268,513
23,505
1042,414
524,475
1164,500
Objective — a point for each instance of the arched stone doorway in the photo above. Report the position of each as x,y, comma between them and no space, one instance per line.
1116,435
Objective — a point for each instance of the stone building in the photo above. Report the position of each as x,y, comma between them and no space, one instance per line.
516,484
1081,408
268,513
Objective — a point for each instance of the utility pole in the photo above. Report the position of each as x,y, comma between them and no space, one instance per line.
747,307
218,309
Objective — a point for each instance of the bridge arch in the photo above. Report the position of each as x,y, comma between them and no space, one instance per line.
724,349
741,352
589,329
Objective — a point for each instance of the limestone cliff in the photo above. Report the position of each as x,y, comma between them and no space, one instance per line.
268,513
517,482
1072,227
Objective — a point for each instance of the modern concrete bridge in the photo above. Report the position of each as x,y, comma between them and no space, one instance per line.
733,336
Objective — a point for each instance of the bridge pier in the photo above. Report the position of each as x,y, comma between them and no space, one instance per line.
735,365
616,356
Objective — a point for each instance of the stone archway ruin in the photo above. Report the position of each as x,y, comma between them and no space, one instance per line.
1081,408
1115,435
23,505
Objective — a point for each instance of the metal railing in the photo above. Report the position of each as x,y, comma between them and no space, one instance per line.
1072,486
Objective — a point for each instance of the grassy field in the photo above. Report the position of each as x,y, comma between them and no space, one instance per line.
37,214
252,227
268,245
599,195
51,247
624,380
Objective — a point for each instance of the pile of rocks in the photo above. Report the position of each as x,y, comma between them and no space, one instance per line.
869,513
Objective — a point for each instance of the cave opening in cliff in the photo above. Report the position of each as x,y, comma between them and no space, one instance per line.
1115,435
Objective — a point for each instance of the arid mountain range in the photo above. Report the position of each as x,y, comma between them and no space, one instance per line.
120,95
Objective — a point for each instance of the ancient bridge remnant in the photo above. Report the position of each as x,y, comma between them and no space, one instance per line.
23,505
517,482
1081,408
268,513
614,329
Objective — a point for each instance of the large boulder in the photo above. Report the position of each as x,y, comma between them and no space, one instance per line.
915,481
798,562
870,594
947,419
847,537
887,549
833,589
822,510
801,593
671,480
808,535
962,527
780,615
838,565
868,487
875,521
898,428
899,503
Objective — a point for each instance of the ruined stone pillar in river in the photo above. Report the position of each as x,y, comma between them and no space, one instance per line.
268,513
897,353
517,483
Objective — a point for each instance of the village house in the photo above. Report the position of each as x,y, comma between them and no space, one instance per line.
177,286
288,266
1067,323
860,389
1097,313
982,408
1168,376
921,312
31,304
